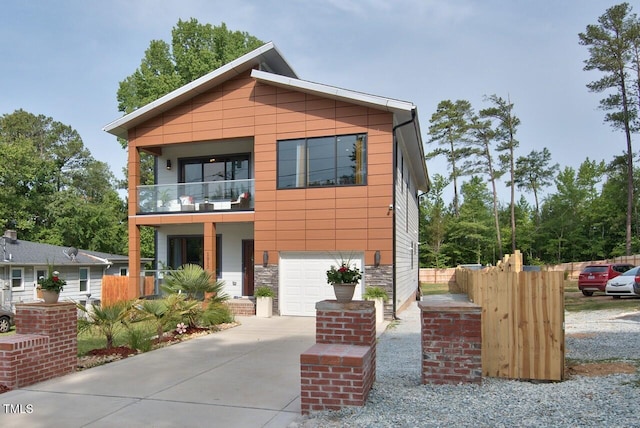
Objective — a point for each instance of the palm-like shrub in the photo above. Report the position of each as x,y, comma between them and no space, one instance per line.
217,313
165,312
194,282
108,320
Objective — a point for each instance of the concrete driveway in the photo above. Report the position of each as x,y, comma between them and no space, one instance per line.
247,376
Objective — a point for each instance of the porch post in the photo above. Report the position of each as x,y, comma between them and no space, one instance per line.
134,229
210,248
134,260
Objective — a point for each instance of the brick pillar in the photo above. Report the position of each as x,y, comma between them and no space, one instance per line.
57,321
340,369
451,340
352,323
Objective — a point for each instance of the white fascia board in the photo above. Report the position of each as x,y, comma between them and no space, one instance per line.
360,98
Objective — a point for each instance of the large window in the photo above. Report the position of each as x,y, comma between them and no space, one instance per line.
324,161
211,169
190,250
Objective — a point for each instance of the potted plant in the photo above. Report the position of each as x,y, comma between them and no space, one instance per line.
344,279
379,296
264,301
51,286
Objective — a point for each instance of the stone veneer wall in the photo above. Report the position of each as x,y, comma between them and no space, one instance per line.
381,276
267,276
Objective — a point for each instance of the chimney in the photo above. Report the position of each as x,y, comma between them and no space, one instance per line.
11,235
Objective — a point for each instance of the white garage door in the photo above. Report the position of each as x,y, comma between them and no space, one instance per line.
303,280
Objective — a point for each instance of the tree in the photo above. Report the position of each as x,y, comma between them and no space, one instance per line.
469,235
483,136
533,173
53,191
433,222
196,49
563,236
501,111
449,127
612,45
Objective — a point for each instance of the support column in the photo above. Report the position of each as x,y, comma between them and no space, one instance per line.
135,278
133,171
210,248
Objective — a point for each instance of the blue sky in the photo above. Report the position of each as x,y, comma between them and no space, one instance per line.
65,59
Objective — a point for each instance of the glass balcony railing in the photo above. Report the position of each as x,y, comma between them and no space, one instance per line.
228,195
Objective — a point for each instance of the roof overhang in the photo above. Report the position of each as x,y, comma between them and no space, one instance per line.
266,57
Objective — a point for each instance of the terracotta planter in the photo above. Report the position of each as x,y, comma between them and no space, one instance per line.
50,296
344,292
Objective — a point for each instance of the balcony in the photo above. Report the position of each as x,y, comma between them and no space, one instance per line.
210,196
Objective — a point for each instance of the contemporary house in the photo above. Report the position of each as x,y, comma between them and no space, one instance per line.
267,179
23,262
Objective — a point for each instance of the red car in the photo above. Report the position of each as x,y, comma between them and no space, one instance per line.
594,277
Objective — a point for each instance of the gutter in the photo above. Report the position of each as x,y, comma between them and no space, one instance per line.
395,179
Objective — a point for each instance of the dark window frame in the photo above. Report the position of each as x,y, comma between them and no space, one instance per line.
183,246
182,162
335,181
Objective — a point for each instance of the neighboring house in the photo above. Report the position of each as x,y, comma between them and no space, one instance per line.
23,262
266,179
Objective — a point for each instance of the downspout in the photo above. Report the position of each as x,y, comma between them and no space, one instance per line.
395,179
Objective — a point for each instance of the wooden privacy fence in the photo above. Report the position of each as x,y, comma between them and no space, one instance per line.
117,288
522,321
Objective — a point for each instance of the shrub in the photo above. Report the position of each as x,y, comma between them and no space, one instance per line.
264,291
194,282
108,320
139,338
217,313
376,292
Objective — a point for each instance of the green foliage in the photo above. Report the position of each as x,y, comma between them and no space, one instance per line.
614,51
264,291
217,313
195,50
53,191
343,273
140,338
433,220
449,127
108,320
165,313
52,282
375,292
194,282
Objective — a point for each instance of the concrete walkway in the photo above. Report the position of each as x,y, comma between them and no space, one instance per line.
247,376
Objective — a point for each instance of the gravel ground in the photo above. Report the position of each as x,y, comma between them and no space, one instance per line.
398,399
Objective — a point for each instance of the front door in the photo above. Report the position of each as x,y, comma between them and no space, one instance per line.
247,267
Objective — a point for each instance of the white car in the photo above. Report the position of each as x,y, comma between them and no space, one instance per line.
622,285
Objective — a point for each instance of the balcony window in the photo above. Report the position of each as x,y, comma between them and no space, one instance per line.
321,162
215,168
